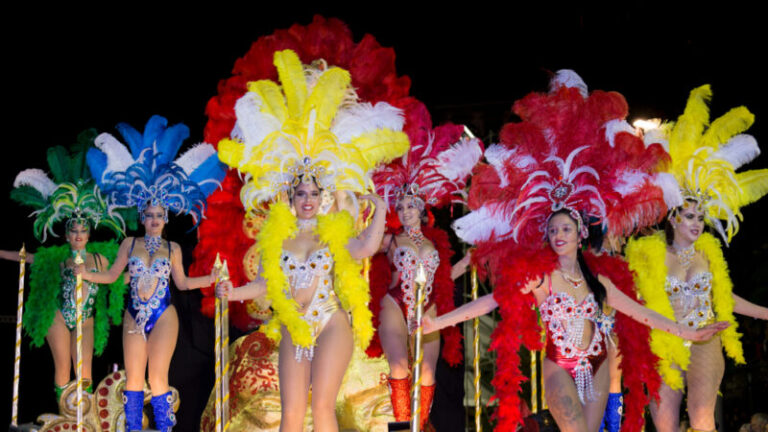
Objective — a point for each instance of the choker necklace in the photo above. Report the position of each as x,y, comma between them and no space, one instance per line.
576,282
80,252
305,225
152,244
415,235
685,256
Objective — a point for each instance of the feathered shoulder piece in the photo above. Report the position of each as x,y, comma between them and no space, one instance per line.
435,169
144,171
705,157
572,150
71,195
309,126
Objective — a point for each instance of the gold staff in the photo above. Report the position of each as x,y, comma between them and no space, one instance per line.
476,352
79,340
418,354
221,323
19,313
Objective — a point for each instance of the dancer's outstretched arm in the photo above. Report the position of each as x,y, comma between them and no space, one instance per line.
180,278
621,302
14,256
470,310
745,307
369,241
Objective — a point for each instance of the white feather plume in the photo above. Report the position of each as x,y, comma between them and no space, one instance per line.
457,162
356,120
252,124
570,79
118,156
615,126
497,155
481,224
629,182
656,136
671,189
192,158
739,150
36,178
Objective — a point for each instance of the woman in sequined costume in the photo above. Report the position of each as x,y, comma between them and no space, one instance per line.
690,267
308,265
151,324
570,299
405,251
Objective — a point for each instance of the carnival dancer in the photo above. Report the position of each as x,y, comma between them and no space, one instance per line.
570,166
312,139
148,178
681,272
432,174
50,313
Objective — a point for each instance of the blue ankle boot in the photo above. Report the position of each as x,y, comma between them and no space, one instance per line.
134,405
613,411
165,419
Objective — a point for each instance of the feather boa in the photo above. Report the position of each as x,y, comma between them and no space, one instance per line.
646,258
335,230
443,289
638,362
45,289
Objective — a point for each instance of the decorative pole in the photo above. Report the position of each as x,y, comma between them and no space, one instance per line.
476,352
543,400
79,340
534,383
418,353
221,323
19,314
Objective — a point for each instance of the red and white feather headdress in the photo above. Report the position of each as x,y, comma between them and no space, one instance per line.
435,169
571,150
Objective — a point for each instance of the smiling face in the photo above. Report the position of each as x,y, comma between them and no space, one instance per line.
154,220
77,235
306,200
563,234
409,211
688,225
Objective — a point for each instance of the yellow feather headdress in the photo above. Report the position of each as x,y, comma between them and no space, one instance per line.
705,157
311,125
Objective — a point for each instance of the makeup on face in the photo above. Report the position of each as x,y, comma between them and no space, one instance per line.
409,211
563,234
77,235
306,200
153,219
688,224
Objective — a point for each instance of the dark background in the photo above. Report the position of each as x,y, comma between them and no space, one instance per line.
67,70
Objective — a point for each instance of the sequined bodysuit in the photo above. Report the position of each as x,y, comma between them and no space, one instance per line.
406,261
146,312
691,300
67,297
316,270
565,322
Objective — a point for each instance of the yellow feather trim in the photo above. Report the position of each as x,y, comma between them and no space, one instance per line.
279,226
381,146
732,123
722,295
291,75
753,185
646,257
336,229
230,152
687,131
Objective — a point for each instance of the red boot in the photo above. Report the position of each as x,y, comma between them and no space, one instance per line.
427,394
400,395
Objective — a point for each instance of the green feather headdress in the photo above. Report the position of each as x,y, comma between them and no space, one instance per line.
70,196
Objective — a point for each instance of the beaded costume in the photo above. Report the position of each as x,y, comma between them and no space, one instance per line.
67,301
406,262
145,280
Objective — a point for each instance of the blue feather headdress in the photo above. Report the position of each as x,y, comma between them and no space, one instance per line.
144,172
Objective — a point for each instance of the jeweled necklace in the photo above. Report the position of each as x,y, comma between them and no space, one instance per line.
152,244
415,235
306,225
685,256
575,281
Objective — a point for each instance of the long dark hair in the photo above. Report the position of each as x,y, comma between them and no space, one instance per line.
594,238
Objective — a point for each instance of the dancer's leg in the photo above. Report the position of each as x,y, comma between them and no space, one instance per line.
593,410
666,412
704,375
393,334
332,355
58,338
563,398
135,355
87,348
161,344
294,385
